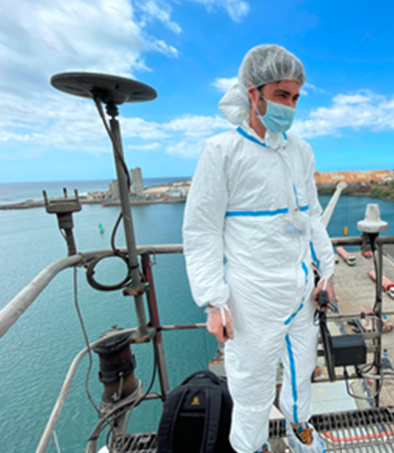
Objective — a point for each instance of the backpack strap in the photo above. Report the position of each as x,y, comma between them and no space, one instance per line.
169,417
212,415
212,421
203,373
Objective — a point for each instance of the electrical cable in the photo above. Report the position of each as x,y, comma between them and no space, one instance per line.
76,303
56,442
121,160
114,144
375,263
118,410
113,234
367,398
123,440
90,356
100,286
378,342
365,368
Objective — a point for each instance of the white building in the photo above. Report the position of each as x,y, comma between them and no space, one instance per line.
136,179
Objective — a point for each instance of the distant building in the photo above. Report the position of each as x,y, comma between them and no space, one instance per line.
332,177
136,179
113,190
97,196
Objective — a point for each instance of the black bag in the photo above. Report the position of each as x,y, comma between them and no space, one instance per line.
197,416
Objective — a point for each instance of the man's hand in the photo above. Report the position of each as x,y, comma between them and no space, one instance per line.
219,324
329,288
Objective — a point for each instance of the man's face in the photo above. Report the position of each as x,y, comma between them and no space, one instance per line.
286,92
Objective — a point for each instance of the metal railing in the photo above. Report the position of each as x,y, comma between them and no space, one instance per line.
17,306
22,301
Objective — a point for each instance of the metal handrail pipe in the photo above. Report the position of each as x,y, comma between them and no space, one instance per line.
169,328
358,240
346,241
51,424
366,336
332,317
19,304
340,377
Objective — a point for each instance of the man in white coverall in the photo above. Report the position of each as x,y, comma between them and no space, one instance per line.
253,201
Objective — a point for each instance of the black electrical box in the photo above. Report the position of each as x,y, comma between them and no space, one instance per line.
348,350
342,350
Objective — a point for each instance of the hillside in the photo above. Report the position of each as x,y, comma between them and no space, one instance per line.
382,190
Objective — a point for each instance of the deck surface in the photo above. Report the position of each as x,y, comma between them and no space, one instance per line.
355,293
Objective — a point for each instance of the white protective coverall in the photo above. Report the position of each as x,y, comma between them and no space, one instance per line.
249,201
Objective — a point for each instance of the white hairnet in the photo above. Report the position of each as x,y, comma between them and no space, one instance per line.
261,65
270,63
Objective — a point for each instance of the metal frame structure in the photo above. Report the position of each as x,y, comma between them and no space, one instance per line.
12,312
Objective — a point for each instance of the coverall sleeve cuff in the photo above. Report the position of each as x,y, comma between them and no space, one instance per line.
331,279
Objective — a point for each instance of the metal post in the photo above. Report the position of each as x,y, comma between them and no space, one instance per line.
378,309
154,316
128,224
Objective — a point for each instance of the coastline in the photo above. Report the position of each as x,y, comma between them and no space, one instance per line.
168,192
30,204
380,190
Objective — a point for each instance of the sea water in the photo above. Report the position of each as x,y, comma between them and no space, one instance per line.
36,352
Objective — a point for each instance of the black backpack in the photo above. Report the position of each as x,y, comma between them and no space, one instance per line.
197,416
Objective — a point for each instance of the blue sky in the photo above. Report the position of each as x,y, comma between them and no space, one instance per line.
190,52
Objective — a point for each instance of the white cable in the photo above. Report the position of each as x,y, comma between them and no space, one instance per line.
222,312
56,442
223,315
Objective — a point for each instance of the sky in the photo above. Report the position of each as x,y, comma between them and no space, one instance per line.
189,51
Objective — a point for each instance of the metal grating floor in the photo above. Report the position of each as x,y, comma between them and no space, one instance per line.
141,442
366,431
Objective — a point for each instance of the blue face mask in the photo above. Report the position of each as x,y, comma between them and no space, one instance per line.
278,117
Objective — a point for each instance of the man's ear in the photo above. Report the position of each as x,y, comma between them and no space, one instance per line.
249,86
252,93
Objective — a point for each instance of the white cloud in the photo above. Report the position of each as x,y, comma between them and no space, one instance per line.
137,127
314,88
310,87
152,10
182,136
358,98
41,38
185,149
147,147
197,126
223,84
237,9
362,110
190,131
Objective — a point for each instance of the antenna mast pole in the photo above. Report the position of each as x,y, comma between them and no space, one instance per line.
124,194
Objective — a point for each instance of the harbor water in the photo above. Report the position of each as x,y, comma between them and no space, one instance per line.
36,352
